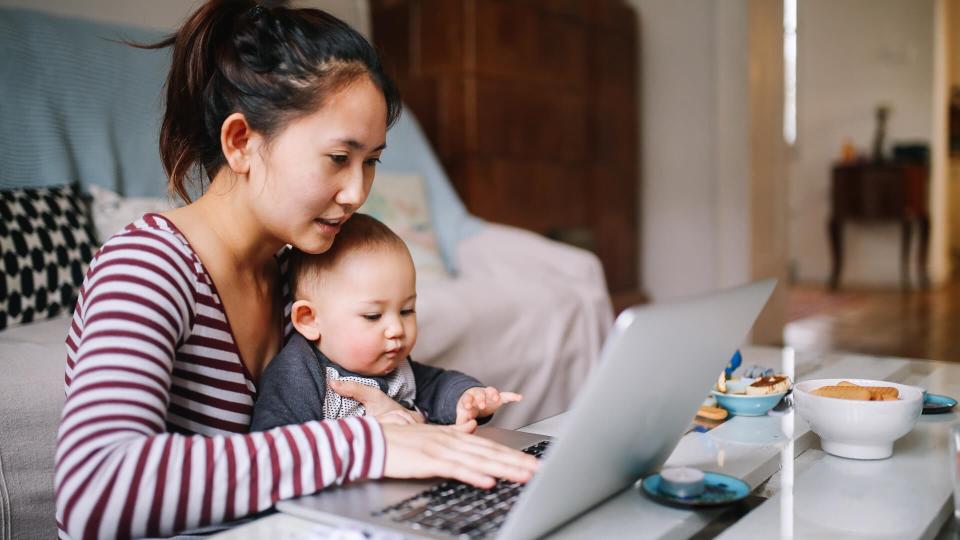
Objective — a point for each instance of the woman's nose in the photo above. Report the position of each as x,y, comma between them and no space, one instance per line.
352,194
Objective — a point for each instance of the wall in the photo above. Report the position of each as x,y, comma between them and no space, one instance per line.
713,193
951,12
678,124
852,55
168,14
768,167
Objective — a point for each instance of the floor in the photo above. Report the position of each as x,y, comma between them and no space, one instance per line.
917,324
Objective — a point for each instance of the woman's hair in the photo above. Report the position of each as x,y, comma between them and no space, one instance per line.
272,63
360,232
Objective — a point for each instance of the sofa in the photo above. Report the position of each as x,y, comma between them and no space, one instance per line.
506,305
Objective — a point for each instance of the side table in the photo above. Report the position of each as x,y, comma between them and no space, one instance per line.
881,192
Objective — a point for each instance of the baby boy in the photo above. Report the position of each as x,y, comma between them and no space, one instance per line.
355,320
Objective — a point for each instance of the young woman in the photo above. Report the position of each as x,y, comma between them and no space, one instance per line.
284,112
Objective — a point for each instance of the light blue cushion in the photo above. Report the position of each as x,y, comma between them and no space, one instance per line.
409,152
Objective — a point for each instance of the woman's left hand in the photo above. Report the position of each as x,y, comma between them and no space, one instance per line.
376,403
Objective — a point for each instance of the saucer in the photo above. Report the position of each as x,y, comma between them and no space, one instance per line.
719,489
937,404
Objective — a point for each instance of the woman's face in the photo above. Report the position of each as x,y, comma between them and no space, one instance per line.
319,169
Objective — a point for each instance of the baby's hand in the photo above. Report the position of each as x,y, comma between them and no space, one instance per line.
479,402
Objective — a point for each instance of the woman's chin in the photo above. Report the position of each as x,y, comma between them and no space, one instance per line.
314,245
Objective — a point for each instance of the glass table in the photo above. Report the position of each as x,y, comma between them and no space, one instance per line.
798,491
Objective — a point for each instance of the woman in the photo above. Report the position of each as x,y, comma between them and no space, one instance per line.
285,113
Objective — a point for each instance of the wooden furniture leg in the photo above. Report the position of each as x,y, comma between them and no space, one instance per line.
924,222
834,228
905,236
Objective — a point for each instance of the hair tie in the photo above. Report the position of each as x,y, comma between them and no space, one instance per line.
256,11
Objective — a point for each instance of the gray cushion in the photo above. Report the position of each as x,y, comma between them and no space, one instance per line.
32,360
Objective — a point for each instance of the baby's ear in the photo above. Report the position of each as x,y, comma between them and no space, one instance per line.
304,318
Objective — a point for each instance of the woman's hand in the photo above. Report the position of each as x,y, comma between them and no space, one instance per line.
376,403
427,451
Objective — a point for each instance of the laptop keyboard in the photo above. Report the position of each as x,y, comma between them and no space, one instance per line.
460,509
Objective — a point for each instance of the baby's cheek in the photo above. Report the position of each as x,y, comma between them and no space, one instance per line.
364,352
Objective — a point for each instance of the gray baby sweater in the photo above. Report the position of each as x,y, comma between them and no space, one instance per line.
293,389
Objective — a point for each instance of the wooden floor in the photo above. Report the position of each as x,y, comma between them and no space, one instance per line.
919,324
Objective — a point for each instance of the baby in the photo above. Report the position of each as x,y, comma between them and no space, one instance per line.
354,312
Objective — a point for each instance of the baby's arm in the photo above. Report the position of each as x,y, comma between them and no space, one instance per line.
439,390
292,390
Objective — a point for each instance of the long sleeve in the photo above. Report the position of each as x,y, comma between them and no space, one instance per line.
119,472
439,390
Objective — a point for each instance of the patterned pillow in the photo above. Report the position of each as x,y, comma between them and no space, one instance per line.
110,212
399,200
46,244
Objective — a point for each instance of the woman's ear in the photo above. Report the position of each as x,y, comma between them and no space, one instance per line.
235,138
304,318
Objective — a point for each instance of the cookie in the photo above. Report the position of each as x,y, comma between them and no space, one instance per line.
843,392
877,393
712,413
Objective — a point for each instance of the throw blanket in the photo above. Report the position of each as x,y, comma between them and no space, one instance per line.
77,106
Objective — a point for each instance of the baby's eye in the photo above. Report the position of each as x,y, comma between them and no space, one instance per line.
371,316
372,162
406,312
339,159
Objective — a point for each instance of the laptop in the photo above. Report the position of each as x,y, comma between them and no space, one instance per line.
656,367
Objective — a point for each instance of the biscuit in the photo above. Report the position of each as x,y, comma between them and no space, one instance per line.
877,393
712,413
843,392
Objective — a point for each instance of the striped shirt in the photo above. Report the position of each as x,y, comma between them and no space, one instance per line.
154,436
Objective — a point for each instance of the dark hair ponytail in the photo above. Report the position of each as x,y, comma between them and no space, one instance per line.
273,64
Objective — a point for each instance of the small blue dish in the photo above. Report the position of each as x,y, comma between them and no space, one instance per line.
718,490
937,404
742,404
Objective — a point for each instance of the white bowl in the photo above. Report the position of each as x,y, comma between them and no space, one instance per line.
858,429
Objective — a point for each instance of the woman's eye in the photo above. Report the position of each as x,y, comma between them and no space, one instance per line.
339,159
372,162
406,312
371,316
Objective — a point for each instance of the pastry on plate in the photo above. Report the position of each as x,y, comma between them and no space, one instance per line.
764,386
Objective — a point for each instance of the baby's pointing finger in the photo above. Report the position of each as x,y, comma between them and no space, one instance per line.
510,397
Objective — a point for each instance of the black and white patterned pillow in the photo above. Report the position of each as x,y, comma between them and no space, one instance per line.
46,243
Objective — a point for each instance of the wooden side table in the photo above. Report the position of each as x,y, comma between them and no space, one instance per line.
873,192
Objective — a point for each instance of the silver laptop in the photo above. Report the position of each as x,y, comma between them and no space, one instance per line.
656,368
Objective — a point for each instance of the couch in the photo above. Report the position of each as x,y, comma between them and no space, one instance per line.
512,308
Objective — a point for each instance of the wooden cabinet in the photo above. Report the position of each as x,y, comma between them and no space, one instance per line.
872,192
531,106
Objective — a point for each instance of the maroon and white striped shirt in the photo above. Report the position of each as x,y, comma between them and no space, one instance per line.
154,436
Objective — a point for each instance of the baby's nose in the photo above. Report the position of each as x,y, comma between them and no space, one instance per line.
394,330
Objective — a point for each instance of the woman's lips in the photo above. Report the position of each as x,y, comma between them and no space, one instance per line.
328,226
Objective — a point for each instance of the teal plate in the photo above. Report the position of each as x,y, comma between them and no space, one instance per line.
718,490
938,404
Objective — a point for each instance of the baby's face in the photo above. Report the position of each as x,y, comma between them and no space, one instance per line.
365,308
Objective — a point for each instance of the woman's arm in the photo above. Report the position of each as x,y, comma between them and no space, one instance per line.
118,472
